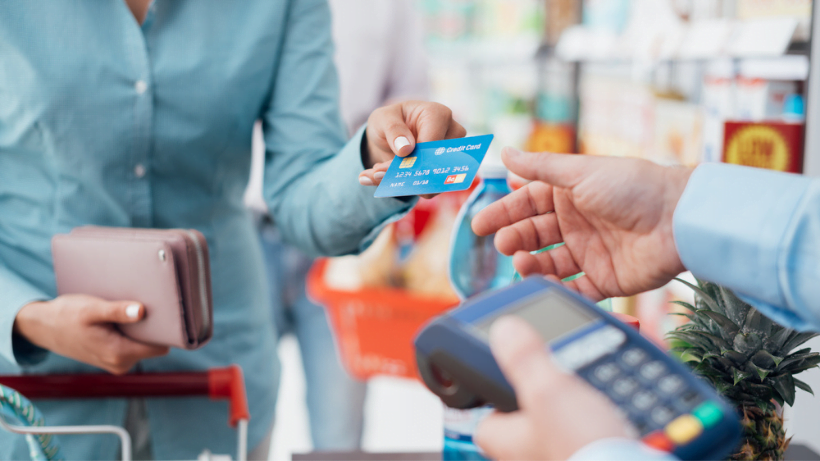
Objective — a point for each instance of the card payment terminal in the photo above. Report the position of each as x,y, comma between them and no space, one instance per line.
671,408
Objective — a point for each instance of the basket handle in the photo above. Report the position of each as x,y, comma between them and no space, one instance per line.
217,383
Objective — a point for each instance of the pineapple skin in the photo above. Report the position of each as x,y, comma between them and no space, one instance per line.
749,359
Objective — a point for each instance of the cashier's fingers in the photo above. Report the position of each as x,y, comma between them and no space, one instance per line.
529,234
100,311
558,262
534,199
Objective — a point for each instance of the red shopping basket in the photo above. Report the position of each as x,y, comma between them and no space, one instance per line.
374,327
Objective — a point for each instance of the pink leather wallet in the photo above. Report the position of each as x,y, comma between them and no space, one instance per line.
166,270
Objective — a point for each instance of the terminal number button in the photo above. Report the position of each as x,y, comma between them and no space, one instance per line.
644,400
661,415
606,372
633,357
652,370
684,429
670,384
624,387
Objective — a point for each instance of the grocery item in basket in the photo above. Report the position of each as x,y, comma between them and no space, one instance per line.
375,267
166,270
425,271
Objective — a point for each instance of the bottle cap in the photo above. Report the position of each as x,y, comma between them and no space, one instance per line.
794,107
492,166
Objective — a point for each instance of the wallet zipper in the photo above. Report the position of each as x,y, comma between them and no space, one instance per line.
203,289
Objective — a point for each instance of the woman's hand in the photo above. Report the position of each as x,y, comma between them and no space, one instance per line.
395,129
613,214
82,327
559,413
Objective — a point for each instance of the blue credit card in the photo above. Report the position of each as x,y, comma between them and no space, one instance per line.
435,167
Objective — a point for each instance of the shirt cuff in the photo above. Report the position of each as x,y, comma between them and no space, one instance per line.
729,225
391,208
15,293
617,449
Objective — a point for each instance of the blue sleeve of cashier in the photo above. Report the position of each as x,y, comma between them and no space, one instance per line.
310,187
756,232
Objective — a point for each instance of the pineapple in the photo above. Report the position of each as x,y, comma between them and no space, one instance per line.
749,359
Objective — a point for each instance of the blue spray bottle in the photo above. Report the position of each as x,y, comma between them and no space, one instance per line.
475,267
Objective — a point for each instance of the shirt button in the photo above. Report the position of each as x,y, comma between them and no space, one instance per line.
140,86
139,170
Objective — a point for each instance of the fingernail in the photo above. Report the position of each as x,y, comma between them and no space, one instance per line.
378,175
400,142
132,311
365,181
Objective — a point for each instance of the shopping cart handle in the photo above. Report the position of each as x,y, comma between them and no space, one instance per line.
229,383
217,383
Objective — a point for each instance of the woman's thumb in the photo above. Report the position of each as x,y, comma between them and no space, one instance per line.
115,312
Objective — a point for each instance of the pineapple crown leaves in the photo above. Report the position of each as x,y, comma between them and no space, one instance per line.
744,354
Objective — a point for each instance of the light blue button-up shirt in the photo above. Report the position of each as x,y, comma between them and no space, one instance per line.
756,232
106,122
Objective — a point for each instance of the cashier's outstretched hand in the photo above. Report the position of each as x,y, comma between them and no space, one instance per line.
558,412
394,130
613,214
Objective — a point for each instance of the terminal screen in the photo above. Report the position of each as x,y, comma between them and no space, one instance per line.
552,315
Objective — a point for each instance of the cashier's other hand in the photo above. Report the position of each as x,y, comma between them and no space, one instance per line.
558,412
83,328
613,214
395,129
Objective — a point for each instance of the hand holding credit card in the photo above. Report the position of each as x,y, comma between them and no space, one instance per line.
435,167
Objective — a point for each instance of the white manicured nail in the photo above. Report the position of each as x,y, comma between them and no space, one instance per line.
378,175
400,142
365,181
132,311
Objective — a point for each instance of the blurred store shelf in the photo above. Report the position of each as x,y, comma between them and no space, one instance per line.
701,40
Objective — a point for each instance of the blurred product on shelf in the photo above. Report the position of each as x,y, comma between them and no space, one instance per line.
759,99
773,145
548,137
560,15
678,132
606,15
759,9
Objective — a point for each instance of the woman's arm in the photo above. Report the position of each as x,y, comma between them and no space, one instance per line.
311,182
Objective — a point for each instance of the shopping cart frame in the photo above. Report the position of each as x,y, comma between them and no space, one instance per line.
217,383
